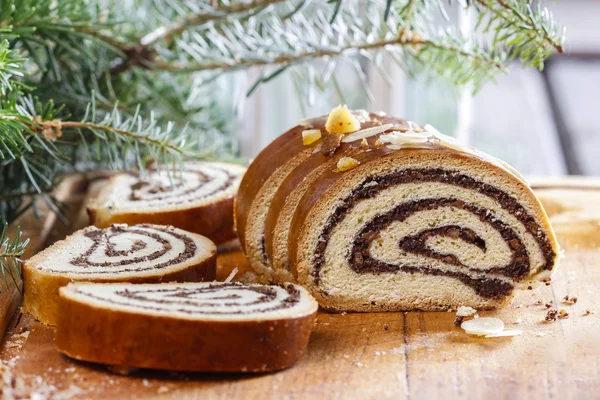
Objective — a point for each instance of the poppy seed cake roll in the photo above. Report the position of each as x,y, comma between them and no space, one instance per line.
375,213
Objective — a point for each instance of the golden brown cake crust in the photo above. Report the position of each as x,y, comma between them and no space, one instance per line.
115,337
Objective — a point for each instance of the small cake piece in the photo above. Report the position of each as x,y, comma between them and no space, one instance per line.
210,327
119,253
197,199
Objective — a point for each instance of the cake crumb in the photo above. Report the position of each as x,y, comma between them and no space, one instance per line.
569,300
162,389
548,305
386,327
529,287
563,314
589,312
539,302
551,315
464,313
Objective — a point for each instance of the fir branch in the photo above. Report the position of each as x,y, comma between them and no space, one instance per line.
10,253
208,14
276,43
10,66
522,19
289,59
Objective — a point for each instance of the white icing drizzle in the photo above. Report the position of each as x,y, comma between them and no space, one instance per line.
430,136
367,132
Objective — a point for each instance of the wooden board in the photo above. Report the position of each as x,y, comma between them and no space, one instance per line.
382,355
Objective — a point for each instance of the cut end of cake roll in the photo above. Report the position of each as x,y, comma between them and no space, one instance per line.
198,199
392,217
423,229
205,327
119,253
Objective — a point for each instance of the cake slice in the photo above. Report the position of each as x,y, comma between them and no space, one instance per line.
211,327
119,253
198,199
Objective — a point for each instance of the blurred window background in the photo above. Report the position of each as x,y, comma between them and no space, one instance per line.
543,123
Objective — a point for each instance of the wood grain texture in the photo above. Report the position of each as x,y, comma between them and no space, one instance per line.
379,356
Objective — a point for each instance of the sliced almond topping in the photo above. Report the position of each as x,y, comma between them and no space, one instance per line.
367,132
310,136
483,326
346,163
508,332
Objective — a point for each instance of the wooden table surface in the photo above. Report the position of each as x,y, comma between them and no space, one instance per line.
383,355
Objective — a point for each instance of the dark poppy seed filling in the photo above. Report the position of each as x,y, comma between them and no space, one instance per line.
106,237
215,299
359,257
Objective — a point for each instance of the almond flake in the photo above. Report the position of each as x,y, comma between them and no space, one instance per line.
367,132
483,326
506,333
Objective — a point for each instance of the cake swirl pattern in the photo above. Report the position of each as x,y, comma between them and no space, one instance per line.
120,248
416,244
215,299
196,182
